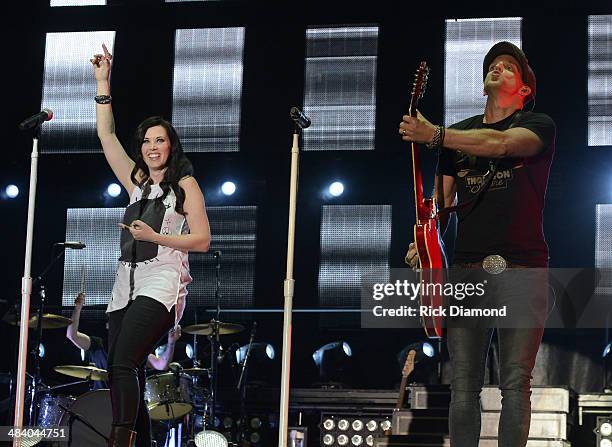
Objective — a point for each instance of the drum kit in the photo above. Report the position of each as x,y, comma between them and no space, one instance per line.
183,396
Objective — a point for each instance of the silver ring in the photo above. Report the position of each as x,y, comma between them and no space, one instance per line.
404,132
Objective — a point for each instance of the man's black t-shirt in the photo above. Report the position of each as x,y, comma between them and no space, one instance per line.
507,218
97,355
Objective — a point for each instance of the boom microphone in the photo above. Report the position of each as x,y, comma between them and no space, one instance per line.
35,120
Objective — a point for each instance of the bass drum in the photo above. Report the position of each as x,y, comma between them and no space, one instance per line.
95,408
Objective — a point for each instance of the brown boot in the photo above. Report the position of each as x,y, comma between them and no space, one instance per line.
121,437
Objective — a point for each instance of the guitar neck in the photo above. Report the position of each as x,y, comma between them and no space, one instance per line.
402,394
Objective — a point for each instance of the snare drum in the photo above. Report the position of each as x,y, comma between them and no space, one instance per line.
165,400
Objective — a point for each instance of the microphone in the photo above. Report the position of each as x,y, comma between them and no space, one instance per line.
71,244
35,120
300,119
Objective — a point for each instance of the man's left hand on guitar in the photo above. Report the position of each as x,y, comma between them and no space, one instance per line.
416,128
412,257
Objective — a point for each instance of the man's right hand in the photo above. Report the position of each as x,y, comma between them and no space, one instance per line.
412,257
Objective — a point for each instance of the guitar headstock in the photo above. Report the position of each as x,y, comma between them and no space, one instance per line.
418,87
409,364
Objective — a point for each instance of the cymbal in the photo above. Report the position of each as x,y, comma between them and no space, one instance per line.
207,328
49,321
196,371
83,372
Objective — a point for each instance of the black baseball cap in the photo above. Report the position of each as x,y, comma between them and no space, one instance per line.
512,50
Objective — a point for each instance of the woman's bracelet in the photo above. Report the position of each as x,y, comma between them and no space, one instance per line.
103,99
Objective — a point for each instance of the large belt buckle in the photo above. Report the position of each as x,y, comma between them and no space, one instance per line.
494,264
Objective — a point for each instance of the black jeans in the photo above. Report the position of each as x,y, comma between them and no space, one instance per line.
468,349
133,332
519,340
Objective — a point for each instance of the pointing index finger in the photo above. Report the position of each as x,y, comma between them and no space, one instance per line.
106,52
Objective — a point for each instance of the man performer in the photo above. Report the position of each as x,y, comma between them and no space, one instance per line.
494,167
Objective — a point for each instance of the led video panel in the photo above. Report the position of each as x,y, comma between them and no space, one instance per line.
207,88
355,241
603,247
234,234
68,90
467,43
340,88
600,81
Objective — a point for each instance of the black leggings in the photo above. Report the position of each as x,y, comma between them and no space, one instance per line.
133,332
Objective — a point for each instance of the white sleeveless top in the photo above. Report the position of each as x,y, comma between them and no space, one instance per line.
145,268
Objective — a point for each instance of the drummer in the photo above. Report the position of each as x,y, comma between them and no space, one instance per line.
94,346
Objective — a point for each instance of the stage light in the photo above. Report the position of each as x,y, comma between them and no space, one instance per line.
329,424
332,360
336,189
423,351
343,424
228,188
160,350
189,351
259,351
603,431
261,361
255,423
11,191
227,422
353,427
357,440
113,190
606,351
210,438
343,440
385,425
255,437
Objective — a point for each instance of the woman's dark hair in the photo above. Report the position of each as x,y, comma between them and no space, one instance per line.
178,165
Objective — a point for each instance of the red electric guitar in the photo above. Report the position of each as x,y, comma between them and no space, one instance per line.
432,259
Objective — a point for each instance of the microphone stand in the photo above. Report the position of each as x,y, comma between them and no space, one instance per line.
242,381
26,290
288,286
214,341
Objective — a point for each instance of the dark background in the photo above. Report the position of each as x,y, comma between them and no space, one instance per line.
555,39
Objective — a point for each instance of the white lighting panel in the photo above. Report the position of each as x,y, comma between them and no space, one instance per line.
355,242
600,81
207,88
467,43
340,88
68,90
233,231
603,247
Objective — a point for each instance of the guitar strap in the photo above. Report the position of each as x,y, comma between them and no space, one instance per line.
489,179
